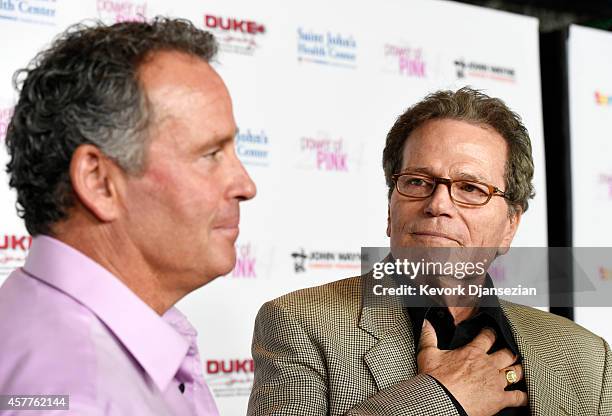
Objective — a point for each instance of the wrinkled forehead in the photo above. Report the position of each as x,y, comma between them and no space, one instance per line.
451,148
176,84
166,71
189,104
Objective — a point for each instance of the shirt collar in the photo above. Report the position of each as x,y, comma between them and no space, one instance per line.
489,306
154,342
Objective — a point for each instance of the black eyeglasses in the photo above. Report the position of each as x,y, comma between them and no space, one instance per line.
419,186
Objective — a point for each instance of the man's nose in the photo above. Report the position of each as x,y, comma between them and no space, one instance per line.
249,189
242,186
440,202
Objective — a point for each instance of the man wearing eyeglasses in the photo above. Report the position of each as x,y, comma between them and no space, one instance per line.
459,170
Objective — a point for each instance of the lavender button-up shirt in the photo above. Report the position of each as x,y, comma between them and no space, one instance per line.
68,326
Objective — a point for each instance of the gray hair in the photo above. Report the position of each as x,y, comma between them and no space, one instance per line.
84,89
473,106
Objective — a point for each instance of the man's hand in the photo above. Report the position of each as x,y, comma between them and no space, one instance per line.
475,378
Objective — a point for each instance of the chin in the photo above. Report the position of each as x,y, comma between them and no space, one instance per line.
225,262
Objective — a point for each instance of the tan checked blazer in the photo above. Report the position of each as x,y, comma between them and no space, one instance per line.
317,352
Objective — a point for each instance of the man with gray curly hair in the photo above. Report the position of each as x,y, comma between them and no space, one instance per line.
459,169
122,155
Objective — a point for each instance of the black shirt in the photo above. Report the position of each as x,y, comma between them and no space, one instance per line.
489,314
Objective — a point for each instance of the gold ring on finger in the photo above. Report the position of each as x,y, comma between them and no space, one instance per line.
511,376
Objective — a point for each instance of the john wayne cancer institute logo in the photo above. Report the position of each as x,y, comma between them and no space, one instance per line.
238,36
324,260
474,69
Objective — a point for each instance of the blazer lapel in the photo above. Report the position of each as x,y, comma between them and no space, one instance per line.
392,358
548,389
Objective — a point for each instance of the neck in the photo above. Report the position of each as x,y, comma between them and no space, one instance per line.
120,256
461,313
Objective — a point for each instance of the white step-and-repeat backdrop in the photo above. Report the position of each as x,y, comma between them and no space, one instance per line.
590,88
316,86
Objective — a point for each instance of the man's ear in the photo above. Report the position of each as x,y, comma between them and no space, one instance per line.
93,181
389,220
510,231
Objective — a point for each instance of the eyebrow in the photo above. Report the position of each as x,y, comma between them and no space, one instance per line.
471,177
458,176
217,141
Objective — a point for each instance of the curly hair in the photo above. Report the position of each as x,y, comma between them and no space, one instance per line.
84,89
472,106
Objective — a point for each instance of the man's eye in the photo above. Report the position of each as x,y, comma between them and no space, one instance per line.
471,188
416,182
212,154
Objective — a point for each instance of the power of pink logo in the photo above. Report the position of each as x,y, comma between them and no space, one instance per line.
5,118
115,11
408,61
606,180
245,262
329,154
